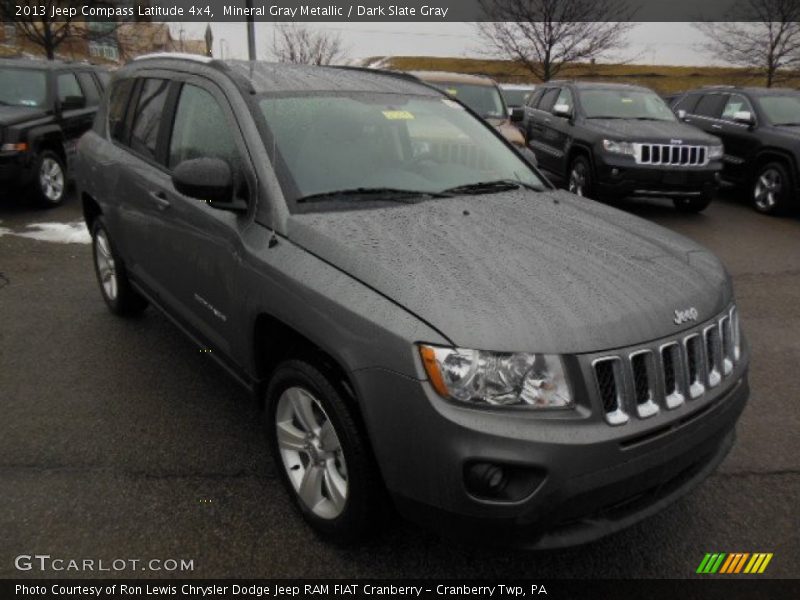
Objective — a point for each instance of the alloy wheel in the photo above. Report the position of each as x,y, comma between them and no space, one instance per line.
767,190
106,266
51,179
311,453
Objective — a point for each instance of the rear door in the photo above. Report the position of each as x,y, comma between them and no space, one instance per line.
706,113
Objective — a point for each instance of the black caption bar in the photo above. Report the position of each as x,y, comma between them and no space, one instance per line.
370,10
658,589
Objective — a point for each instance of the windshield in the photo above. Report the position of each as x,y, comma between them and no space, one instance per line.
624,104
485,100
22,87
334,143
516,97
781,110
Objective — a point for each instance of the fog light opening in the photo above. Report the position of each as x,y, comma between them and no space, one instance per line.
486,480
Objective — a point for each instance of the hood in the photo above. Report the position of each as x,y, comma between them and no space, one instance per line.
11,115
632,130
523,271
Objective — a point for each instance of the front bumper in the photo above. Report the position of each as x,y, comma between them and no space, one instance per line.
587,478
621,176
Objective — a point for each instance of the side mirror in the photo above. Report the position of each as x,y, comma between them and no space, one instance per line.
73,103
562,110
743,116
517,114
208,179
681,114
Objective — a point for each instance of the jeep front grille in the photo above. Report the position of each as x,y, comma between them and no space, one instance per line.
647,380
671,154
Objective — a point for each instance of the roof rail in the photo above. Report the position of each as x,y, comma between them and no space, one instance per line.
177,56
387,72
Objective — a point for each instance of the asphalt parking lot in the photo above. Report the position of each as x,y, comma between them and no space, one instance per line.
119,439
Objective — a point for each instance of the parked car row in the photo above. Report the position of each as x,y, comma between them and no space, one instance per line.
45,107
424,316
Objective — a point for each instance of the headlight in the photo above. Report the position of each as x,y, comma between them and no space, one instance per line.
618,147
714,152
497,379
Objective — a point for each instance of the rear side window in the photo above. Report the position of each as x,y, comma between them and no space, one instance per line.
564,97
548,99
89,88
533,100
710,105
686,103
147,117
201,129
68,87
117,107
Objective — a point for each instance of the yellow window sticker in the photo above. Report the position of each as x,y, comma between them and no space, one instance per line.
452,91
398,115
627,100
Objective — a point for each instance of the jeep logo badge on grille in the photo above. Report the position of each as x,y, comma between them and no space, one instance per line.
684,316
676,141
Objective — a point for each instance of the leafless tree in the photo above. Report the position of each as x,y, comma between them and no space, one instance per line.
545,35
762,34
297,43
35,22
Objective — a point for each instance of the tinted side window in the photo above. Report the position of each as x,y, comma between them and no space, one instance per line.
533,99
735,103
201,129
68,86
710,105
687,103
548,99
89,88
147,117
117,107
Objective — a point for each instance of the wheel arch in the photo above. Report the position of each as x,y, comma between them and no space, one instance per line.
768,155
48,138
91,209
578,149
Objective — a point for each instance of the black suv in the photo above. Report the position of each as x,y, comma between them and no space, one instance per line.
760,129
606,140
45,106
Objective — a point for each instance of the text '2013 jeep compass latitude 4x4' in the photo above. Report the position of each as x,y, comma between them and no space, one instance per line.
442,326
606,140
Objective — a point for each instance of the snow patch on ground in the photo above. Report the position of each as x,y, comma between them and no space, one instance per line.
61,233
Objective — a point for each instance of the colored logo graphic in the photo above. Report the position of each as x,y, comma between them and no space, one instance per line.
734,563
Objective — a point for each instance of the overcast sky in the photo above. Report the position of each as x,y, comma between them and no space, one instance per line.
650,43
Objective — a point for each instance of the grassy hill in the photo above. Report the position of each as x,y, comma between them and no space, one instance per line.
663,79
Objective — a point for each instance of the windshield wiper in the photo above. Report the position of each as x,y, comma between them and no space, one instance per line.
790,124
606,117
491,187
383,193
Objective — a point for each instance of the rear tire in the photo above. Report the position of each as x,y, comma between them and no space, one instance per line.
580,180
50,183
115,288
321,453
692,204
771,188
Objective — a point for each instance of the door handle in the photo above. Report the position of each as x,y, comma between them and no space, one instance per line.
160,200
715,126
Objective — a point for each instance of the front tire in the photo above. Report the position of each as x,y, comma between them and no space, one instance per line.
770,190
321,452
50,185
696,204
115,288
580,180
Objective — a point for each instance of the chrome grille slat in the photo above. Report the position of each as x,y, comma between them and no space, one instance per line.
670,154
644,381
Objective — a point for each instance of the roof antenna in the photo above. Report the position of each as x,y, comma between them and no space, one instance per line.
273,240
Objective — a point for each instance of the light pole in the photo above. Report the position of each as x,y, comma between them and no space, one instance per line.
251,31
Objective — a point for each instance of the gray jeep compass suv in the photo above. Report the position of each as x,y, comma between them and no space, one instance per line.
420,311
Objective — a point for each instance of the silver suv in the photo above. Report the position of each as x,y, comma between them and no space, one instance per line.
425,318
